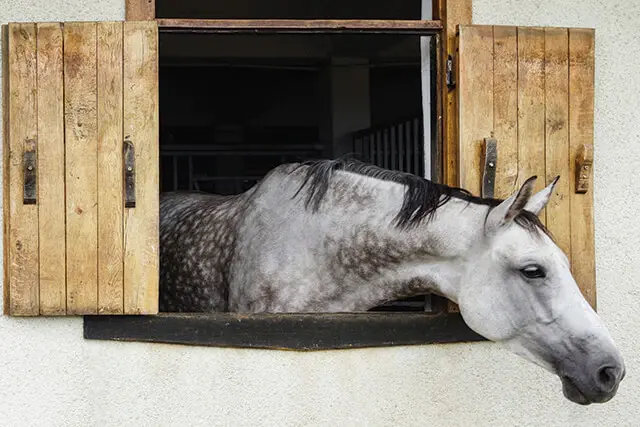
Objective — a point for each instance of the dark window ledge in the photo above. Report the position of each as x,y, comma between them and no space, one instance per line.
303,332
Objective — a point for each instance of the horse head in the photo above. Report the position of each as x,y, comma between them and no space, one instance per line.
517,289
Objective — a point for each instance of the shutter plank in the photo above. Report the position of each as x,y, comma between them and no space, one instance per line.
6,243
53,300
505,108
110,177
556,65
476,101
81,166
141,128
22,126
581,111
531,130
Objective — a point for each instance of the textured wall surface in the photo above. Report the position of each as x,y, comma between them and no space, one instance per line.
50,376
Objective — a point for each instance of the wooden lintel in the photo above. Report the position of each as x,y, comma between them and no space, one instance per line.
418,27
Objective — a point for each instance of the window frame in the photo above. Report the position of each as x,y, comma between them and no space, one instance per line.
318,331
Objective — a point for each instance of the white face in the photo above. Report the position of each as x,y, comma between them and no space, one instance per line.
518,290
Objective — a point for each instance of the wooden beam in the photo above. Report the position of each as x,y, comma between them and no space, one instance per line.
140,10
451,14
418,27
20,143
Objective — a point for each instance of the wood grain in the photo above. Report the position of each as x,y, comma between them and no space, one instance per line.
377,26
23,126
81,166
110,177
581,112
453,14
51,194
556,65
140,10
475,88
531,131
6,184
141,264
505,108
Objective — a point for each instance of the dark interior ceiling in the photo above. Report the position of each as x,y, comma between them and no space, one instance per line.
289,9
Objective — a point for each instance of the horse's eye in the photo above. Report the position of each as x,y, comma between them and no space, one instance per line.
533,272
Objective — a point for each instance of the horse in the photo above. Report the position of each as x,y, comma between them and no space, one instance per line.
343,235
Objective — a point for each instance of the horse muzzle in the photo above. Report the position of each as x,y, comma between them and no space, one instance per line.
594,385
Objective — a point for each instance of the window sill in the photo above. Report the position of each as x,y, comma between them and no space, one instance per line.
302,332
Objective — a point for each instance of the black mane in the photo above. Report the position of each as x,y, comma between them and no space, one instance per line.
422,196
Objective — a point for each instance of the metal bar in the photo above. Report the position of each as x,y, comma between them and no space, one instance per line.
129,174
190,159
394,149
236,153
379,148
300,26
409,146
226,178
416,147
29,161
489,171
385,138
401,147
366,148
236,147
175,173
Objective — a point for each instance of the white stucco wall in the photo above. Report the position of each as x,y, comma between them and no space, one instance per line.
50,376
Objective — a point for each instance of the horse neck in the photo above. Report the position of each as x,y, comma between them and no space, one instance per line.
385,262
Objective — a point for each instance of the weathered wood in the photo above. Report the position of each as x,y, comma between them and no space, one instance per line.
302,332
556,66
141,263
531,130
140,10
51,194
81,139
505,108
20,92
475,88
581,111
452,14
110,177
382,26
553,86
6,149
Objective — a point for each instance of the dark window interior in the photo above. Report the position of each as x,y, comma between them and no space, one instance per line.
232,107
288,9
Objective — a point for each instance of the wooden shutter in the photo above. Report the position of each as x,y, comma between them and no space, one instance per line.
74,95
532,89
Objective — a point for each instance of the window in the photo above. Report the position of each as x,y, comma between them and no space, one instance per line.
289,98
280,90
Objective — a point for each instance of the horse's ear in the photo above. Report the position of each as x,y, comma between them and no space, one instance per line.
538,201
506,211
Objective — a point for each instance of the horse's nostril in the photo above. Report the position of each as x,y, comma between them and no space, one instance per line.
607,378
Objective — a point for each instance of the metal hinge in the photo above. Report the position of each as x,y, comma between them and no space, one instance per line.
449,73
129,174
490,154
29,163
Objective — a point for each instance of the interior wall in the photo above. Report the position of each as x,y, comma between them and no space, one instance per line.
51,376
